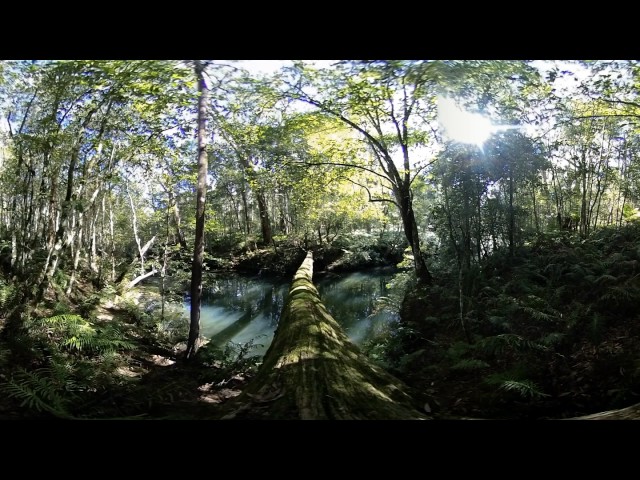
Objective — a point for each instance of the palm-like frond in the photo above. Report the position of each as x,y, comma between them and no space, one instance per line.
78,334
605,280
525,388
38,390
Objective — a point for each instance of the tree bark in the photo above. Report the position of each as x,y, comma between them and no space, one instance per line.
410,227
201,197
265,222
312,371
512,217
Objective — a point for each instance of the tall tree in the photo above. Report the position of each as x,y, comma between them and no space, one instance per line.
389,103
201,197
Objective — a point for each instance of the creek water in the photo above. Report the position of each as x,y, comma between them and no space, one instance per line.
243,309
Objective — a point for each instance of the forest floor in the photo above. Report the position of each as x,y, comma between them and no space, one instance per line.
555,334
196,391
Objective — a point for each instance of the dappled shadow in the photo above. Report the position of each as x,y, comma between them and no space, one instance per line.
161,387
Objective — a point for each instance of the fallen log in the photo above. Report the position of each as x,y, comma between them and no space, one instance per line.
312,371
628,413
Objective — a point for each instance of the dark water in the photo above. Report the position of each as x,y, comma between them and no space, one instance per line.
241,309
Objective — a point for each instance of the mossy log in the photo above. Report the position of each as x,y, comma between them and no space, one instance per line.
628,413
312,371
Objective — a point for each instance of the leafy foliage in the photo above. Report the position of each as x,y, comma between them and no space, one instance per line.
525,388
75,333
43,390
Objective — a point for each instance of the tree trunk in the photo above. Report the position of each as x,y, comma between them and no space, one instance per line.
265,223
176,218
312,371
113,241
535,209
583,201
134,222
411,233
201,197
512,217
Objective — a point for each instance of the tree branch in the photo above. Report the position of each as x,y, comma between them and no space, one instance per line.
138,279
421,169
335,164
624,102
304,98
371,199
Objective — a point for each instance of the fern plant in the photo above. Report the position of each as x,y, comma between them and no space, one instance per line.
513,381
41,390
76,359
525,388
77,334
6,294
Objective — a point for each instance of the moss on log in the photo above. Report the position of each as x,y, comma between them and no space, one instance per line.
312,371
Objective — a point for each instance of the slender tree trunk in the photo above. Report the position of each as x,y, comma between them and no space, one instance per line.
624,201
245,210
461,300
583,203
201,197
245,215
113,241
535,208
165,260
76,260
265,222
479,219
135,230
178,221
93,252
512,218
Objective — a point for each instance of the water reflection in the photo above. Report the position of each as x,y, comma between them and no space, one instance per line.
239,308
352,300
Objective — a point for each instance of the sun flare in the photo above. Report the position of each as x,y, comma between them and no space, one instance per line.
463,126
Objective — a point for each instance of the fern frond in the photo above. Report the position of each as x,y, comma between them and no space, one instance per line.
38,391
605,279
6,294
619,294
538,315
64,320
112,345
526,388
80,335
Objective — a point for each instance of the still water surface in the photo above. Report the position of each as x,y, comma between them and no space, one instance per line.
240,309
